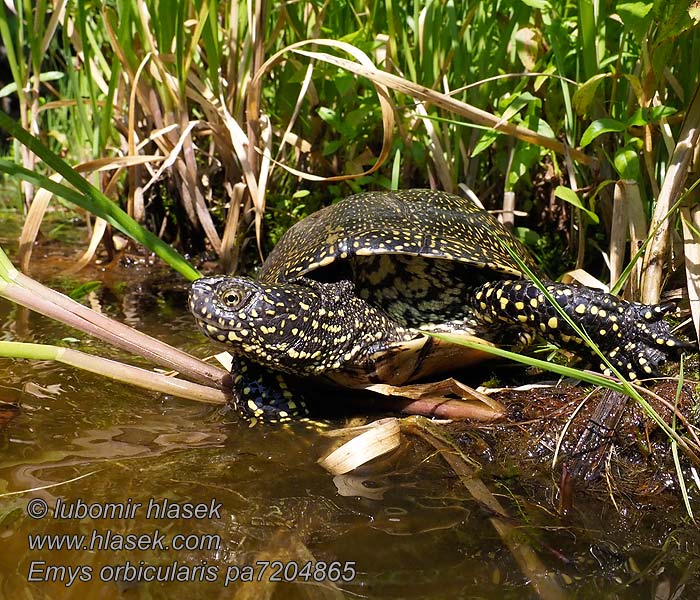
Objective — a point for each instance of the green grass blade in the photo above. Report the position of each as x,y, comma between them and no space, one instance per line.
588,31
88,197
16,68
674,448
588,377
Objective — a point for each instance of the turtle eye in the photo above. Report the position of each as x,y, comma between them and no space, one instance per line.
232,297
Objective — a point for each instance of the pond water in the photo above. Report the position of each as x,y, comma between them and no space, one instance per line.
252,503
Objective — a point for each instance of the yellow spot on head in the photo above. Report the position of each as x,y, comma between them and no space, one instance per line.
553,323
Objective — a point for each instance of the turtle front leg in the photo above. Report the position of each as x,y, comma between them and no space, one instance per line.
633,336
263,395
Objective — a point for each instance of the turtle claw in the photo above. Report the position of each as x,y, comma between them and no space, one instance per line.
633,363
659,311
650,341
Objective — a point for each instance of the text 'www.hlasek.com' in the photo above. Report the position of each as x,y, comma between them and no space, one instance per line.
163,511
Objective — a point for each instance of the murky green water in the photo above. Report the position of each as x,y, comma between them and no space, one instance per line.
409,529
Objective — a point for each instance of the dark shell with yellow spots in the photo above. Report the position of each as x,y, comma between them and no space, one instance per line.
426,223
346,291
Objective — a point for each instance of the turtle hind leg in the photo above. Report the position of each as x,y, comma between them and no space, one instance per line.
261,395
632,336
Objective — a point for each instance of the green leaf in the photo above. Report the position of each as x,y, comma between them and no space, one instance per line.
586,93
513,104
487,138
343,83
11,88
328,115
539,4
626,163
332,147
83,290
543,128
673,18
568,195
636,10
636,16
541,79
526,236
396,170
599,127
645,116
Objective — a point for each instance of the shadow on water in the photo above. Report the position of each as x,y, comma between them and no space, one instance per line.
405,528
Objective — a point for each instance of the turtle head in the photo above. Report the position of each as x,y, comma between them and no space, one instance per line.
300,326
248,316
226,308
